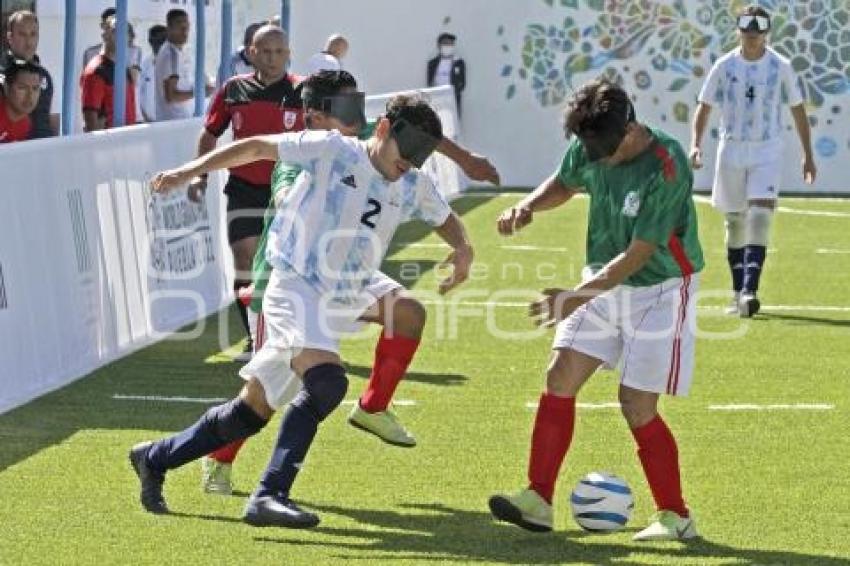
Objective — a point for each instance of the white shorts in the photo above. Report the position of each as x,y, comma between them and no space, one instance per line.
649,332
296,317
746,171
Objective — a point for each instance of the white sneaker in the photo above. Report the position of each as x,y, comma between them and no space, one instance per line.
668,525
216,476
748,304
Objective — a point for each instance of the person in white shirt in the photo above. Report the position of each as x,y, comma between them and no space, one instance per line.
750,85
240,62
174,71
147,95
329,59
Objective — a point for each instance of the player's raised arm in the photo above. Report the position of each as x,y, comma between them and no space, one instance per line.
453,232
551,193
477,167
232,155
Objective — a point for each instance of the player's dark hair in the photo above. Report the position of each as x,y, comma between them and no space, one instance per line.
415,110
754,10
157,34
14,68
249,33
598,108
325,84
173,15
108,13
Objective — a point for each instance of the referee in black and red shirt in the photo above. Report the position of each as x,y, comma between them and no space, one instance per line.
265,102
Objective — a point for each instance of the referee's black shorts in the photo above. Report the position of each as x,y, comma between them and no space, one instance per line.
246,208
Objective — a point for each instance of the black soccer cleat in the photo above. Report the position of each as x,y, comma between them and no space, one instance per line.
748,305
150,494
268,511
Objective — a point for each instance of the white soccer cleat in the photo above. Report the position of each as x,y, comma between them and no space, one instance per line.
668,525
748,304
732,307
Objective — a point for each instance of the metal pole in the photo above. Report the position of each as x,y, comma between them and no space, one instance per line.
200,56
284,15
226,40
119,101
68,75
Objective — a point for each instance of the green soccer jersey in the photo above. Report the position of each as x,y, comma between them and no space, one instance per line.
648,198
283,177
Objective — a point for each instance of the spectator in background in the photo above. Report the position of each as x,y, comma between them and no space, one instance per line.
98,83
240,62
22,38
21,88
134,54
446,68
147,91
330,59
174,71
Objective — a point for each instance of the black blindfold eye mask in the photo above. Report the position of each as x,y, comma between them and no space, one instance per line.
414,145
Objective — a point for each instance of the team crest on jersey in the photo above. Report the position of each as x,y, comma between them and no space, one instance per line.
631,204
289,119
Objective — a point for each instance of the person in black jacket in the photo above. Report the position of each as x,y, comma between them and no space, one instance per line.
446,68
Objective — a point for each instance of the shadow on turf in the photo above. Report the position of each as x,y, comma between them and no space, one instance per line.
436,532
799,320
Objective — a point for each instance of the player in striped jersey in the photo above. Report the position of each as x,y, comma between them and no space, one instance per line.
750,86
326,244
401,315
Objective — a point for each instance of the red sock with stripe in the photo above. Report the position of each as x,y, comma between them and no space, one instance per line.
392,358
227,454
659,457
553,432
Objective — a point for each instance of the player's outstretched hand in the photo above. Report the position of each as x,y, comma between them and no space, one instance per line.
696,158
165,181
460,261
555,306
513,220
810,171
479,168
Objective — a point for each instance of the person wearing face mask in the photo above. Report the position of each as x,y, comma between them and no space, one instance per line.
446,68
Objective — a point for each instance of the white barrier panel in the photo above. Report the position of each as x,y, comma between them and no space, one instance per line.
93,267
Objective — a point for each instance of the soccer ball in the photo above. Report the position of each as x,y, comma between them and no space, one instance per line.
602,502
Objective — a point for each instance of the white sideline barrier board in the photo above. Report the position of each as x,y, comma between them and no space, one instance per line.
94,267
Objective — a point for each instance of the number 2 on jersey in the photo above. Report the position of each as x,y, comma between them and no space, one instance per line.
373,211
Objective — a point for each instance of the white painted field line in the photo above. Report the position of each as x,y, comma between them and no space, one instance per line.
764,308
802,212
440,245
533,249
162,399
826,251
780,407
396,402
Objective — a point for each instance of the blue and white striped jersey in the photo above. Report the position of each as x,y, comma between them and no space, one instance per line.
333,227
751,94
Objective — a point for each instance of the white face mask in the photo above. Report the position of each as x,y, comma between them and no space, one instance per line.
447,50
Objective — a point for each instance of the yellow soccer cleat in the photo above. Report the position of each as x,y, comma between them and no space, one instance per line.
668,525
526,509
383,424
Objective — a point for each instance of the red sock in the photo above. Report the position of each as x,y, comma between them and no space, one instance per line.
553,431
226,454
392,358
660,459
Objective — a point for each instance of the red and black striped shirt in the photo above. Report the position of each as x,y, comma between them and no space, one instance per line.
255,109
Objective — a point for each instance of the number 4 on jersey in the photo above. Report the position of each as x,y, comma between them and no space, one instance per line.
751,93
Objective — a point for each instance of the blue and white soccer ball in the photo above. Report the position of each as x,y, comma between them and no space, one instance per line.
602,502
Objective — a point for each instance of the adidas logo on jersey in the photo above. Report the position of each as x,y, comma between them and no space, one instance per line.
349,181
